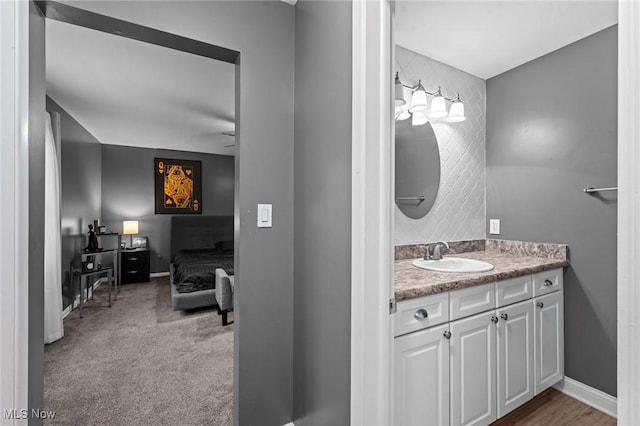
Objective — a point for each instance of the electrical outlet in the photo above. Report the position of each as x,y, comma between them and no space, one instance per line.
494,226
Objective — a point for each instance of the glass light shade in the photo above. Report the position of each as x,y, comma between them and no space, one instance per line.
456,112
438,107
130,227
418,119
418,100
399,98
402,114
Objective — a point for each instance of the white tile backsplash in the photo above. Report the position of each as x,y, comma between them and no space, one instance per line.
459,209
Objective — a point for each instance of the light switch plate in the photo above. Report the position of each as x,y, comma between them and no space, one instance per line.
494,226
264,215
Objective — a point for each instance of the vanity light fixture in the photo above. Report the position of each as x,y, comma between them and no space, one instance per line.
419,105
418,119
438,106
456,112
402,114
418,98
399,98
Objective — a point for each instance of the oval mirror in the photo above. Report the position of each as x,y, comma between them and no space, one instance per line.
417,168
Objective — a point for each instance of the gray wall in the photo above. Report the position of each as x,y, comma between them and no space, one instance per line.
552,131
128,193
263,33
81,187
36,212
322,261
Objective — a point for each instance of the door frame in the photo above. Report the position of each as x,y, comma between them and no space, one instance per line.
628,212
371,374
14,220
371,212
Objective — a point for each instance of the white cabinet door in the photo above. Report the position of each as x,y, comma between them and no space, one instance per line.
421,374
515,356
549,340
473,370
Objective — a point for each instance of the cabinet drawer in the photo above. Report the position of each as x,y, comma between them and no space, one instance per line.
409,313
472,300
140,258
135,266
547,282
134,275
513,290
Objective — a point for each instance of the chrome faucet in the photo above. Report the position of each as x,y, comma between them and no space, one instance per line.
437,250
427,252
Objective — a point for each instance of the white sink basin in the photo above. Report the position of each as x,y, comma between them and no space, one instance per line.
453,264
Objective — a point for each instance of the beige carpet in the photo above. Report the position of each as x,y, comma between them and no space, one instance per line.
139,363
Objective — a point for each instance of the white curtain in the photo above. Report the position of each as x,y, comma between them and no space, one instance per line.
53,328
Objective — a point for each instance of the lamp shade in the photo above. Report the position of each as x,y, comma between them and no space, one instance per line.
438,107
402,114
456,112
418,99
130,227
418,119
399,97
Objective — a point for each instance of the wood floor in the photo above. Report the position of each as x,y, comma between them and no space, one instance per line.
552,407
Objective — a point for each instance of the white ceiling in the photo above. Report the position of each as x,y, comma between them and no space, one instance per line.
126,92
487,38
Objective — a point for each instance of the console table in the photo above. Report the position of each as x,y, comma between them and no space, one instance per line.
83,283
115,256
116,253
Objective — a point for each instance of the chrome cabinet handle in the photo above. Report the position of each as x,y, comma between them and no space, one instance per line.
504,316
540,305
421,314
133,259
132,272
447,334
548,283
494,319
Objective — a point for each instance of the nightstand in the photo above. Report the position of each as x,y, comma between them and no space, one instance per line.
135,266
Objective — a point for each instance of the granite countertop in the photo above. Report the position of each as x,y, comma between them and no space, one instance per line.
510,260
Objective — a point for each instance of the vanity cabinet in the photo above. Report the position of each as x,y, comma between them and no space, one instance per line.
549,340
473,370
494,348
421,387
515,357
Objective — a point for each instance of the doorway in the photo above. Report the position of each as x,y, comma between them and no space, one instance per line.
624,238
124,101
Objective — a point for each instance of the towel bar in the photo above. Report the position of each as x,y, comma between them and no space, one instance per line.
591,190
420,198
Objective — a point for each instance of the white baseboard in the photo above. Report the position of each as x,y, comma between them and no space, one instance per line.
97,284
597,399
66,312
76,301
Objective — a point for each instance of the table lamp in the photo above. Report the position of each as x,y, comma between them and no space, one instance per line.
130,227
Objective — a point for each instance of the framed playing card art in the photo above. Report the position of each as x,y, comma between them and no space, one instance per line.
178,186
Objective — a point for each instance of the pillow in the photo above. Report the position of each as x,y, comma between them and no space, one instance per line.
178,260
197,281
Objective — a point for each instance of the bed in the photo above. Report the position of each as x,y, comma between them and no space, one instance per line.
199,246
